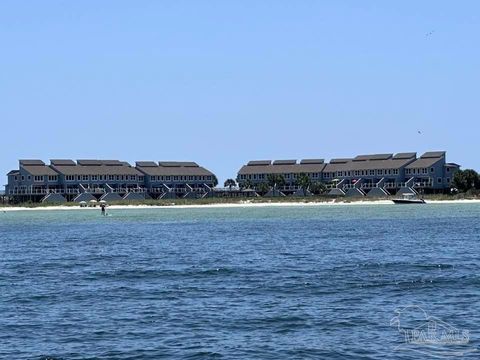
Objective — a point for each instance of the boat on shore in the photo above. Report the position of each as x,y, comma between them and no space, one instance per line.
408,199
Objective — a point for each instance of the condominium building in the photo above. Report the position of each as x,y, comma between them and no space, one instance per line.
375,174
87,180
258,172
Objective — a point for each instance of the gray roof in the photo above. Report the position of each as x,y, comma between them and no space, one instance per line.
433,154
340,161
259,162
428,159
424,163
284,162
407,155
312,161
89,162
95,167
31,162
373,157
178,163
369,162
64,162
173,168
146,163
281,169
39,170
13,172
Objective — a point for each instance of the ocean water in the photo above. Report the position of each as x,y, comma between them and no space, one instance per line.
311,282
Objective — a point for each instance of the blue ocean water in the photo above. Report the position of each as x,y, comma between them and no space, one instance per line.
312,282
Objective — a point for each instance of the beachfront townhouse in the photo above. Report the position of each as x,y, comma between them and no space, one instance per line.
373,175
176,178
104,179
431,171
376,174
113,180
32,179
109,180
256,172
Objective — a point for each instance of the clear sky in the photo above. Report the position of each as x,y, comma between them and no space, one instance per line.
224,82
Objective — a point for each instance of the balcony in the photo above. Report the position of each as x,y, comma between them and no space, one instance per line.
42,191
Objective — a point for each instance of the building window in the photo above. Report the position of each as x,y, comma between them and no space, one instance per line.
38,178
23,178
395,171
70,177
439,180
167,178
52,178
448,180
432,170
133,177
448,169
16,178
94,177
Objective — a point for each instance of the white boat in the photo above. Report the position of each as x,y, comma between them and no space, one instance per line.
408,199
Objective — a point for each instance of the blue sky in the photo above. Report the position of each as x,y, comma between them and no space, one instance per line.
223,82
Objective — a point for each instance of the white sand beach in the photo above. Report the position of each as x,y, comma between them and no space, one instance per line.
240,204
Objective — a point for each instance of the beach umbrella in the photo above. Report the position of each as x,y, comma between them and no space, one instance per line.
102,202
83,202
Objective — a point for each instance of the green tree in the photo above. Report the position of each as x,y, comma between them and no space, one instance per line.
465,180
245,184
303,180
230,183
214,180
275,180
263,187
318,187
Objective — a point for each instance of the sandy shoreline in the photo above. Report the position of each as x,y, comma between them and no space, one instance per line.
241,204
